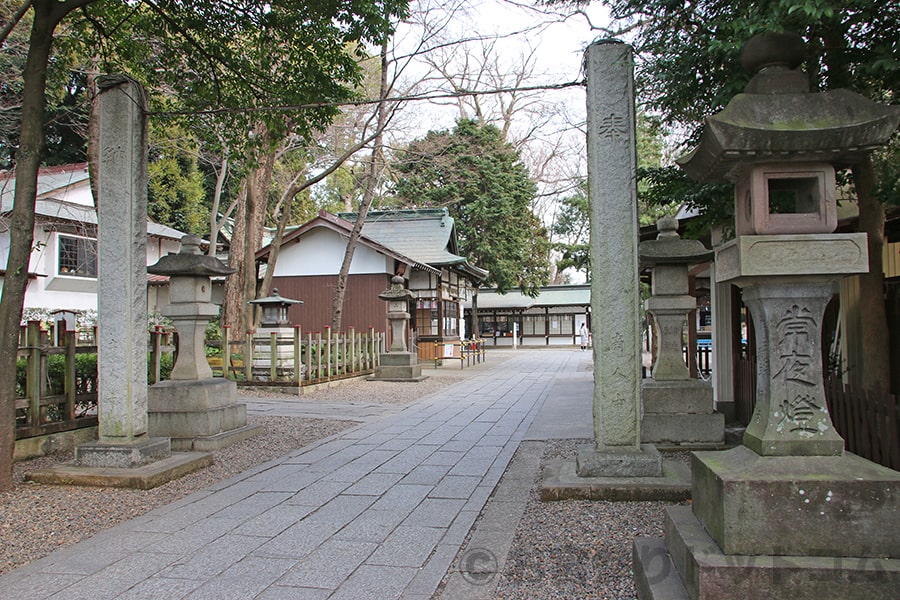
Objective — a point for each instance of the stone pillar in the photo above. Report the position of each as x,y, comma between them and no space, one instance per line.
791,416
122,281
615,296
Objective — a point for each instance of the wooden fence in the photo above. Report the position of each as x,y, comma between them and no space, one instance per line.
870,425
60,394
55,394
297,358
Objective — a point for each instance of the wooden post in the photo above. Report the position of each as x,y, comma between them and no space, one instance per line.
33,374
318,355
273,356
328,360
248,356
226,351
309,344
70,338
297,354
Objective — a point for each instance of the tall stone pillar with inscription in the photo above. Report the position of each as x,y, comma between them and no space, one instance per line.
122,282
125,455
615,295
788,514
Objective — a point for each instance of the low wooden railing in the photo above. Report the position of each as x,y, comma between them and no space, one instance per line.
296,359
467,352
50,399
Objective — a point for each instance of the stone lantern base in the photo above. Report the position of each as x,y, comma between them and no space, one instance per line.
680,413
399,366
198,415
777,527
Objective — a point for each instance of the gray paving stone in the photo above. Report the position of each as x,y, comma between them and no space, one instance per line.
253,506
318,492
377,511
429,577
371,526
426,474
275,520
295,482
277,592
297,541
435,512
213,558
245,579
375,582
444,457
402,498
193,537
329,565
455,486
44,586
341,509
406,547
156,587
375,484
117,578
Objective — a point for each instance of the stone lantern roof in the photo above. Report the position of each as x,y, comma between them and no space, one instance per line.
190,261
396,291
776,118
668,248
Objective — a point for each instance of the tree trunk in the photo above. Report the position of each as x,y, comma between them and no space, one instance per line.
286,202
221,174
257,203
233,309
21,226
875,364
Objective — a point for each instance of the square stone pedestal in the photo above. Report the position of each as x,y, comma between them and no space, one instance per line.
780,527
198,415
680,414
143,465
645,461
399,366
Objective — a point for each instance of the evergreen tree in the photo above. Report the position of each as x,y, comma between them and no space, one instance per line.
482,181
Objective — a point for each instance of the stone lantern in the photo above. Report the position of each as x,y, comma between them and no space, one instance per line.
676,408
274,310
788,514
195,409
190,306
274,321
398,364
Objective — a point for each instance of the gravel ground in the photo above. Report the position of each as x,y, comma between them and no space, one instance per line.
577,548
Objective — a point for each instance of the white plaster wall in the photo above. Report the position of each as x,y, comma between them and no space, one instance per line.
321,251
79,193
77,293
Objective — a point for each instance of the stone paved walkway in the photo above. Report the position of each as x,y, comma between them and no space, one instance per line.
378,511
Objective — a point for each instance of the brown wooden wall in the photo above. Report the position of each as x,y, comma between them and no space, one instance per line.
362,307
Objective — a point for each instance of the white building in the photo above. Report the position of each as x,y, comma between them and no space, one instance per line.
62,271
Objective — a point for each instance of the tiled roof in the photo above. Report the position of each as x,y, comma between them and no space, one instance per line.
427,235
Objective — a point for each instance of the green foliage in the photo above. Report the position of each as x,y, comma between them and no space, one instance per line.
688,61
715,201
166,364
85,380
572,230
482,181
175,193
